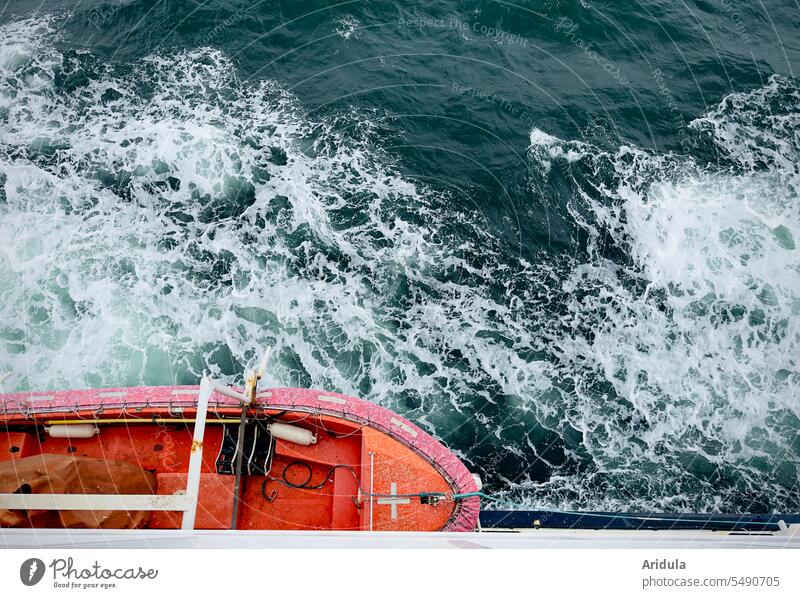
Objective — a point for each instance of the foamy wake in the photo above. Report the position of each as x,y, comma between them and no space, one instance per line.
682,330
165,217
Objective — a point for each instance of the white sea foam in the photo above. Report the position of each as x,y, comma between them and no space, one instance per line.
169,218
346,27
166,218
694,337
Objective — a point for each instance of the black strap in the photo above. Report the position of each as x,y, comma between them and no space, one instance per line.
258,448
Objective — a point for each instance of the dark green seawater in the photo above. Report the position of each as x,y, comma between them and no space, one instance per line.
562,236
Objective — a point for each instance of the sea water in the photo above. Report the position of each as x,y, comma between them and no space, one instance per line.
560,236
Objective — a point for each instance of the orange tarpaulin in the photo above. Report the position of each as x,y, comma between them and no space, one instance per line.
67,474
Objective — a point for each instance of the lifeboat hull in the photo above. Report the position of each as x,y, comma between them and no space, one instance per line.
367,468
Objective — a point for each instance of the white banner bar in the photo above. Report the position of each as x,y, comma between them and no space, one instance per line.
401,573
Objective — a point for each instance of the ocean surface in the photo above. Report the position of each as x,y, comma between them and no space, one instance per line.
562,236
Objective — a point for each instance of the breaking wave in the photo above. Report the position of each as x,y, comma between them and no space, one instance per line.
168,217
681,331
165,217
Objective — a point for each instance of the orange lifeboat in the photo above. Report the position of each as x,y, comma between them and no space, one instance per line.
308,460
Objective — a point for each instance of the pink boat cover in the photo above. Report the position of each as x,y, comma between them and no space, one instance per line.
465,516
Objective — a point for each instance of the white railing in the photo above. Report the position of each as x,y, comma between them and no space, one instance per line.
185,502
